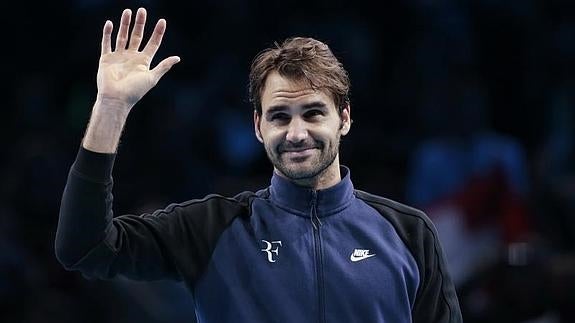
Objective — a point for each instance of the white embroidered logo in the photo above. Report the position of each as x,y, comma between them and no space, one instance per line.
269,249
360,254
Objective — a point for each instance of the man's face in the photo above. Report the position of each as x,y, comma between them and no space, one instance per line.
299,127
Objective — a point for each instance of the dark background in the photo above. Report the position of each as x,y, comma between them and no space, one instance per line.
464,109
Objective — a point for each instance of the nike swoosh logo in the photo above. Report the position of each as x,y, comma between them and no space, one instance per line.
358,258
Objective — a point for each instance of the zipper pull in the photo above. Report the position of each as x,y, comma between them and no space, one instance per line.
313,213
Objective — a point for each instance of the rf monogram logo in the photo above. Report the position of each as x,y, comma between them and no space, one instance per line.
269,249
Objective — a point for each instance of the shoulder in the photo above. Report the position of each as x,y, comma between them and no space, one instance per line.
412,225
211,204
391,208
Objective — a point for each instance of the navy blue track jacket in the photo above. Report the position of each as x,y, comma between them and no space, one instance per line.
283,254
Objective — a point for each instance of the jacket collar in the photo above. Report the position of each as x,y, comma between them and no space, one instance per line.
300,200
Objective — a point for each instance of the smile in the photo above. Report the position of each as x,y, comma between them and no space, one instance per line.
299,153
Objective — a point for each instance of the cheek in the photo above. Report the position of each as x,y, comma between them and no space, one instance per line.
270,137
331,133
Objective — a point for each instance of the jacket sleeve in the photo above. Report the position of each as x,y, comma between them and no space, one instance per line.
436,299
90,240
161,245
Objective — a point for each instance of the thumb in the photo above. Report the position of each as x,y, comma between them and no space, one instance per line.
164,66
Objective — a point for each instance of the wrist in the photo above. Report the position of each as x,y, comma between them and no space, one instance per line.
105,126
112,105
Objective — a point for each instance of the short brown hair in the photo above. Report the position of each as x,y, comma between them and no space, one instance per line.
300,59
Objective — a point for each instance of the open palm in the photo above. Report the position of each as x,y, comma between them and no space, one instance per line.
124,74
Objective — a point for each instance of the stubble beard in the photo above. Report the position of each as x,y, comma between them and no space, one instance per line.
316,169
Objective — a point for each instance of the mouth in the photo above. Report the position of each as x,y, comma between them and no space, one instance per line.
298,153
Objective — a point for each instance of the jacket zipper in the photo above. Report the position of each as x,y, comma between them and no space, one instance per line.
316,223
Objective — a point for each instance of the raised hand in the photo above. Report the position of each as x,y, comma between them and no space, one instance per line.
124,74
124,77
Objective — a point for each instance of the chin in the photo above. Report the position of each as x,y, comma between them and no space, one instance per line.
300,172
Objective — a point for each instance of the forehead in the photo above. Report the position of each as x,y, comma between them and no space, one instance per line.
280,90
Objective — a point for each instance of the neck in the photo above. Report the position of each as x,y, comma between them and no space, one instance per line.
327,178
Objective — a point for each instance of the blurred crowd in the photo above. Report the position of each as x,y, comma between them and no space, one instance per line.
464,109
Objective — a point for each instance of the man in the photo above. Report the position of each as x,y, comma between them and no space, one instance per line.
308,248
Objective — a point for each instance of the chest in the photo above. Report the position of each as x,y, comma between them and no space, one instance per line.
347,262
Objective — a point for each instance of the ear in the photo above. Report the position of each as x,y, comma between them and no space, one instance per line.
257,127
345,117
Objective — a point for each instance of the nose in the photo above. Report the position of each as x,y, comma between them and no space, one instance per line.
297,131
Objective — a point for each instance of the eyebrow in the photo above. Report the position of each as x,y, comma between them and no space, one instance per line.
307,106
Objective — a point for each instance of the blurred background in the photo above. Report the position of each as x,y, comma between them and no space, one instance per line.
464,109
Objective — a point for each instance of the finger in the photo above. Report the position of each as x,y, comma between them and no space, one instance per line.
156,38
122,37
164,66
106,37
138,31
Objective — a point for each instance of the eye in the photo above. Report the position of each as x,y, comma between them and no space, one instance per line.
280,117
313,113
